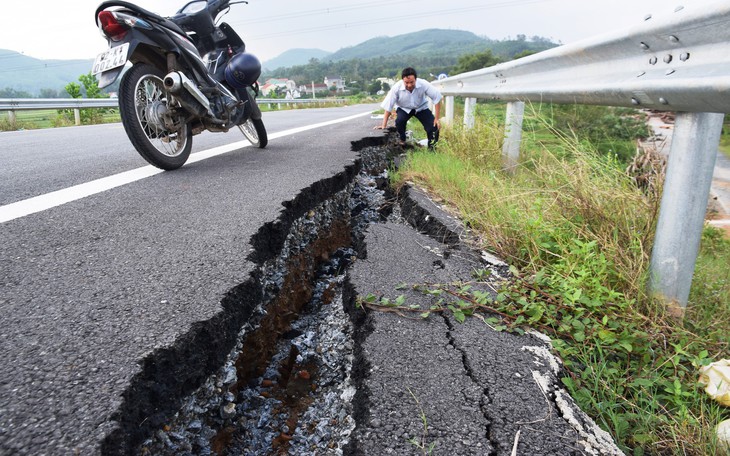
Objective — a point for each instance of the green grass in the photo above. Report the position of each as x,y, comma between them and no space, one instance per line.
725,138
580,233
51,118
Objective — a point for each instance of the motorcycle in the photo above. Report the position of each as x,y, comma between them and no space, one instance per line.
189,74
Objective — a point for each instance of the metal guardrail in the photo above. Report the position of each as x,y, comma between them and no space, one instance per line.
679,61
27,104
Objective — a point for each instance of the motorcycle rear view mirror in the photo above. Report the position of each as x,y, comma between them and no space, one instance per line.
194,7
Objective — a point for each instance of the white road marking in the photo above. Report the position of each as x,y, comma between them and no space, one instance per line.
50,200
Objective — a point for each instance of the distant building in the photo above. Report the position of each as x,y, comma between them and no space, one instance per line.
275,85
336,83
389,81
281,82
293,94
306,89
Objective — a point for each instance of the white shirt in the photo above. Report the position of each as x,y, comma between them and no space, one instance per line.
401,98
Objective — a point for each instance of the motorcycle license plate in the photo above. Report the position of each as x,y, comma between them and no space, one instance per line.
110,59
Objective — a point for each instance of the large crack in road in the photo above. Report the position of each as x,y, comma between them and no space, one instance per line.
294,367
285,341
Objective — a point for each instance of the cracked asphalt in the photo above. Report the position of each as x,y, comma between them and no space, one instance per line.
436,386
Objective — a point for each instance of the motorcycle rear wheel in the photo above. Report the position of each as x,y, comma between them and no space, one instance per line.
143,105
255,131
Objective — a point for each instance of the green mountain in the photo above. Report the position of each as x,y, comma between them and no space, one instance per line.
22,73
423,43
294,57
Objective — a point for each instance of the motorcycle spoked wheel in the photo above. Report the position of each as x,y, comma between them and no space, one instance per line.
255,131
143,103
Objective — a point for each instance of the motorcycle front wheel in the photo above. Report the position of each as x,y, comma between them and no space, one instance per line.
255,131
144,106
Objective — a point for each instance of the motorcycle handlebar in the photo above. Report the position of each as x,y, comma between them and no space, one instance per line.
216,6
196,21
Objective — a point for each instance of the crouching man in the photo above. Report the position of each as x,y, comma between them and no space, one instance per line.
409,98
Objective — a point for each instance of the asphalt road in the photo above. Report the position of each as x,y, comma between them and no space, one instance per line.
35,162
90,287
104,295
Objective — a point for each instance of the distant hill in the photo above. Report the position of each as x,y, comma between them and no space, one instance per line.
422,43
28,74
294,57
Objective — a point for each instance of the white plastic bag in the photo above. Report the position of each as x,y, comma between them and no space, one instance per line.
716,378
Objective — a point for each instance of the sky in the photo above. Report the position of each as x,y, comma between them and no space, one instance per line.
52,29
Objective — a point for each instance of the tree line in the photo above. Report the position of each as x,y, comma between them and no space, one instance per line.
360,73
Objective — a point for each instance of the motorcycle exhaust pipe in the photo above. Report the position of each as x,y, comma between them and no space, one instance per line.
177,83
173,82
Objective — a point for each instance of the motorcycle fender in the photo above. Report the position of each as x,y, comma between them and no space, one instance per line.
134,55
107,78
141,49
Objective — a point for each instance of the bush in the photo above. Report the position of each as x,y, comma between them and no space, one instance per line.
609,130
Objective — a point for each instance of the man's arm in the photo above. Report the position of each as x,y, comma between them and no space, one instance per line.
386,116
436,97
388,105
437,114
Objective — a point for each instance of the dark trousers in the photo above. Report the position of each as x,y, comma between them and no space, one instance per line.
425,117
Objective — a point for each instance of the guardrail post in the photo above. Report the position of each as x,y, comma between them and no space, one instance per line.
77,116
11,117
513,134
449,109
470,105
695,142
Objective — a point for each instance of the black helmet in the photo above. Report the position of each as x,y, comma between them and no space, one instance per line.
243,70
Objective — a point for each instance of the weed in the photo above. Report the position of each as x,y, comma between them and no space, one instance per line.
8,125
421,444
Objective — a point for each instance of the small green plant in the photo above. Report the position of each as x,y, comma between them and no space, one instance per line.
88,116
421,443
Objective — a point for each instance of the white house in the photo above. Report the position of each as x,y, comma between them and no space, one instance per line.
336,82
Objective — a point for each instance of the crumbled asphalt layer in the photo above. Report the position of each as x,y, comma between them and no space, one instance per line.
334,379
227,417
302,402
